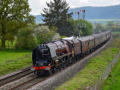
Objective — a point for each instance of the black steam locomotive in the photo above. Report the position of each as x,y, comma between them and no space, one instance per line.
53,56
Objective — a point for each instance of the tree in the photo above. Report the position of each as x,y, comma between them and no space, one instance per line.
26,39
44,34
113,26
13,11
56,14
88,29
67,29
99,28
79,28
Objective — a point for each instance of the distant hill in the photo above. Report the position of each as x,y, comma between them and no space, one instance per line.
108,12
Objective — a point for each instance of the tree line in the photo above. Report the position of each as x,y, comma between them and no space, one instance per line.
18,27
111,25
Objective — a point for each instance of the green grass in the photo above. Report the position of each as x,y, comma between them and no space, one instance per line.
116,32
104,19
93,70
12,60
113,81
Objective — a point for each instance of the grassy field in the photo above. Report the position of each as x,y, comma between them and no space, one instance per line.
113,81
103,21
115,32
93,70
12,60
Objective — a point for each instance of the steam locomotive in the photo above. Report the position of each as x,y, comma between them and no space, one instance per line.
55,55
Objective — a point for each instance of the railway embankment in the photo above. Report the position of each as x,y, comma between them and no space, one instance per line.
13,60
113,80
97,70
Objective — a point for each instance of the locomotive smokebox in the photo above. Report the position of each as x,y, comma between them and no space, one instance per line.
41,57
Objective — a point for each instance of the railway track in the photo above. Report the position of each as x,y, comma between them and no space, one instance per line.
14,76
23,83
22,80
29,83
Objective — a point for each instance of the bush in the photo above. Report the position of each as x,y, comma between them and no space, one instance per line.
44,34
56,36
81,27
26,39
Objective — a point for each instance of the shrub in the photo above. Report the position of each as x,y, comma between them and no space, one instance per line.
26,39
81,27
44,34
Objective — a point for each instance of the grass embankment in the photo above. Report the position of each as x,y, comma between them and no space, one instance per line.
93,70
12,60
113,81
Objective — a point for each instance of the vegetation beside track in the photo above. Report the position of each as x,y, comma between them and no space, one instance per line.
12,60
113,81
93,70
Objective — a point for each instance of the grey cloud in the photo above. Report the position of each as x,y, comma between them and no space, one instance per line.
38,5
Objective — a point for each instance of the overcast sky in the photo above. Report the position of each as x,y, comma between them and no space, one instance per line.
38,5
